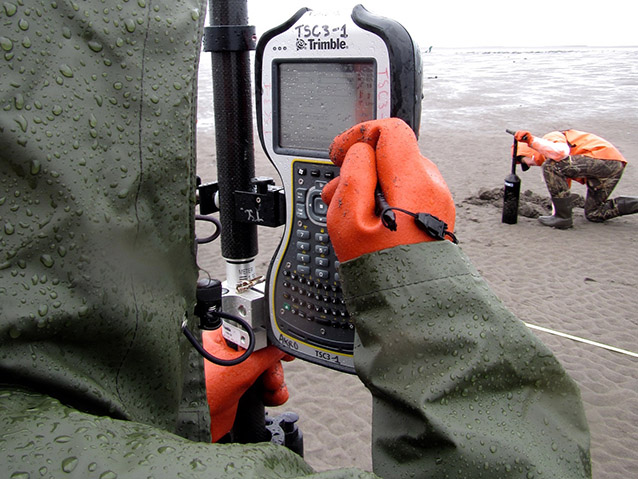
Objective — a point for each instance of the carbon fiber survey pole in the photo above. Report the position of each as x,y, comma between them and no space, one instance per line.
229,39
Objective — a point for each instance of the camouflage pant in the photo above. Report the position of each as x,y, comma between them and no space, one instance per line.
601,177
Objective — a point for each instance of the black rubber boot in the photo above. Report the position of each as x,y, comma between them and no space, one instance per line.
627,205
562,217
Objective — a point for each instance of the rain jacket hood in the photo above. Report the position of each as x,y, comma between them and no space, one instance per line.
98,104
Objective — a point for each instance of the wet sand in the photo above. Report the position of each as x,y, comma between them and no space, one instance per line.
581,281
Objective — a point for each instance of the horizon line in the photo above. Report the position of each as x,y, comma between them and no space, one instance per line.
528,46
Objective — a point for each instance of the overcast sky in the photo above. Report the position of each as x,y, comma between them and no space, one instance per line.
462,23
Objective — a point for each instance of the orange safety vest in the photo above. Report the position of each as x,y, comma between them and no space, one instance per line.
587,144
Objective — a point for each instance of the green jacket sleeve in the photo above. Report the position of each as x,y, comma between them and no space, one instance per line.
461,388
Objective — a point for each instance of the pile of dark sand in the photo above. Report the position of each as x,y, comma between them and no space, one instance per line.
530,204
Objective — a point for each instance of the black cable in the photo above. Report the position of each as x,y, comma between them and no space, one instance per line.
425,221
215,235
383,209
214,359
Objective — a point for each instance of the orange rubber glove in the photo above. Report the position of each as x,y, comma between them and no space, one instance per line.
226,385
524,137
384,152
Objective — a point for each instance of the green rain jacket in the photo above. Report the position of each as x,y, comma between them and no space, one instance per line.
97,272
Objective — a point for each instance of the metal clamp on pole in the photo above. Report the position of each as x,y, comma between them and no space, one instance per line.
265,206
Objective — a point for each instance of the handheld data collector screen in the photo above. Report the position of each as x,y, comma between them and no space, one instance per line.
318,75
319,100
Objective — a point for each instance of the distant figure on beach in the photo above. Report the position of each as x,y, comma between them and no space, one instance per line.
584,157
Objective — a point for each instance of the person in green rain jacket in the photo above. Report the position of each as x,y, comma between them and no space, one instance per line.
98,271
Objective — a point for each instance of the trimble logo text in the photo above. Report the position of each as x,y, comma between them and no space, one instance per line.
331,44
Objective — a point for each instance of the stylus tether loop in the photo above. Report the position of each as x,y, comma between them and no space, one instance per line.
432,225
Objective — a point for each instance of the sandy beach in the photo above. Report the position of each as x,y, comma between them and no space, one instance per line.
582,281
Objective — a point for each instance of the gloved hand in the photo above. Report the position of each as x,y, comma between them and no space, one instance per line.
226,385
524,137
384,152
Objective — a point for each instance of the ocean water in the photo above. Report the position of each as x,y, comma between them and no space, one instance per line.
559,84
549,80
